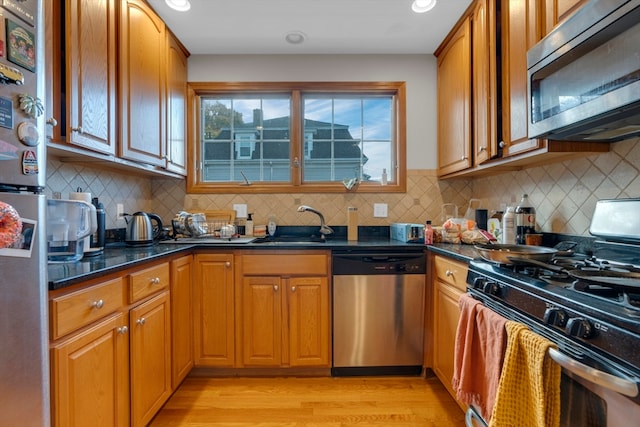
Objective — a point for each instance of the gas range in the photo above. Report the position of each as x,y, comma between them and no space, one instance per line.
588,306
578,302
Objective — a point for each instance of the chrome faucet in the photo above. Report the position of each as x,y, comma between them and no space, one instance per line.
325,230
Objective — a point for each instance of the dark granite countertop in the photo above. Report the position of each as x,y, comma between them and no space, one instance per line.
118,257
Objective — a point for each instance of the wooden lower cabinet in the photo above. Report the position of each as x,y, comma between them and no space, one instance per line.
449,282
308,303
111,349
285,319
181,319
90,376
150,326
213,307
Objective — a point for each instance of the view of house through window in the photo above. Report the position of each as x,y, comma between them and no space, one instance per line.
347,137
298,137
247,136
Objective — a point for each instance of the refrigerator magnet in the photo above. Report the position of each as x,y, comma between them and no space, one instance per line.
21,48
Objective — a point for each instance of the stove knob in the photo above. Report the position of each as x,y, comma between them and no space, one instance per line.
478,283
580,327
555,316
491,288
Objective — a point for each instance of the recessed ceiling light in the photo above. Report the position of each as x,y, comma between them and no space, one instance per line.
422,6
295,37
179,5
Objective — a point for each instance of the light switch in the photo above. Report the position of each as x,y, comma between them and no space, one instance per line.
380,210
241,210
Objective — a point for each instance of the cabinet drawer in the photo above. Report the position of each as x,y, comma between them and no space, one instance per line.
148,281
282,265
451,272
75,310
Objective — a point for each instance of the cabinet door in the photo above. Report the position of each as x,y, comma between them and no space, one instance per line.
445,317
454,102
556,11
520,31
261,321
181,319
176,106
90,376
142,84
308,321
91,74
214,313
150,358
484,105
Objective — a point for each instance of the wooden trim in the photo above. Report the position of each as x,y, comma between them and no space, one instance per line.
398,178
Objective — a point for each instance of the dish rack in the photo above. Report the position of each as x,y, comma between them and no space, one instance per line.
207,224
206,228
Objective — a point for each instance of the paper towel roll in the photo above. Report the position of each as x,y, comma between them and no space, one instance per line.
79,195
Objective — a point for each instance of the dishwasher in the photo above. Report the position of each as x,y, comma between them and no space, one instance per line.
378,312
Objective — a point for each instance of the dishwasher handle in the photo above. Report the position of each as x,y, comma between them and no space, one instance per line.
379,263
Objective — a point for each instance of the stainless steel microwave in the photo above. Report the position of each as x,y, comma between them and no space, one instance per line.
584,76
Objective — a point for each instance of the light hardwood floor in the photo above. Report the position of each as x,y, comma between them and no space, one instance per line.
316,401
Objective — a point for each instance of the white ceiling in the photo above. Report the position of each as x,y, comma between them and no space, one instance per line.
330,26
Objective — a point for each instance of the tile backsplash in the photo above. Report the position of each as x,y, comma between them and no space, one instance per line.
564,194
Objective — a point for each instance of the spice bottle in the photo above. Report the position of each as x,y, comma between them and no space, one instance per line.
525,219
428,233
509,226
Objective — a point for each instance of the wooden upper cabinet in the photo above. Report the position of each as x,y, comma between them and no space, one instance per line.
520,31
142,84
454,101
176,105
484,84
83,112
556,11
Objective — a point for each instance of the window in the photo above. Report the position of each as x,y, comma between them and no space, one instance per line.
296,137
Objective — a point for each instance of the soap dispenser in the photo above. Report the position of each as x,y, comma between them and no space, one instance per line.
271,225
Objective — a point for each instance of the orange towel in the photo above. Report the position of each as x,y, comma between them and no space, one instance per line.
479,349
529,389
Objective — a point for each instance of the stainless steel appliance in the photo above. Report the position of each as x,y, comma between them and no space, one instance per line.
378,312
24,363
140,230
584,76
589,306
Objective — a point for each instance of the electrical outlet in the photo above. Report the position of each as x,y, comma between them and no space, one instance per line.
119,212
241,210
380,210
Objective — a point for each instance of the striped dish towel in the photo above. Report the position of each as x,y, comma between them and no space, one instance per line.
529,388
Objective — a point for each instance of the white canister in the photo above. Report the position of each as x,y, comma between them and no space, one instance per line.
509,226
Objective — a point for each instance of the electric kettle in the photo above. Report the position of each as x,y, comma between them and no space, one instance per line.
140,231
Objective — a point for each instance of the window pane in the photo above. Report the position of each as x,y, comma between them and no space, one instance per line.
350,136
245,137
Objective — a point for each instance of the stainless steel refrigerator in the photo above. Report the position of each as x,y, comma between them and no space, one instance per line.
24,362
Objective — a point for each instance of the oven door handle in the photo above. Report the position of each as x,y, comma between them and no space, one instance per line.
611,382
470,415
